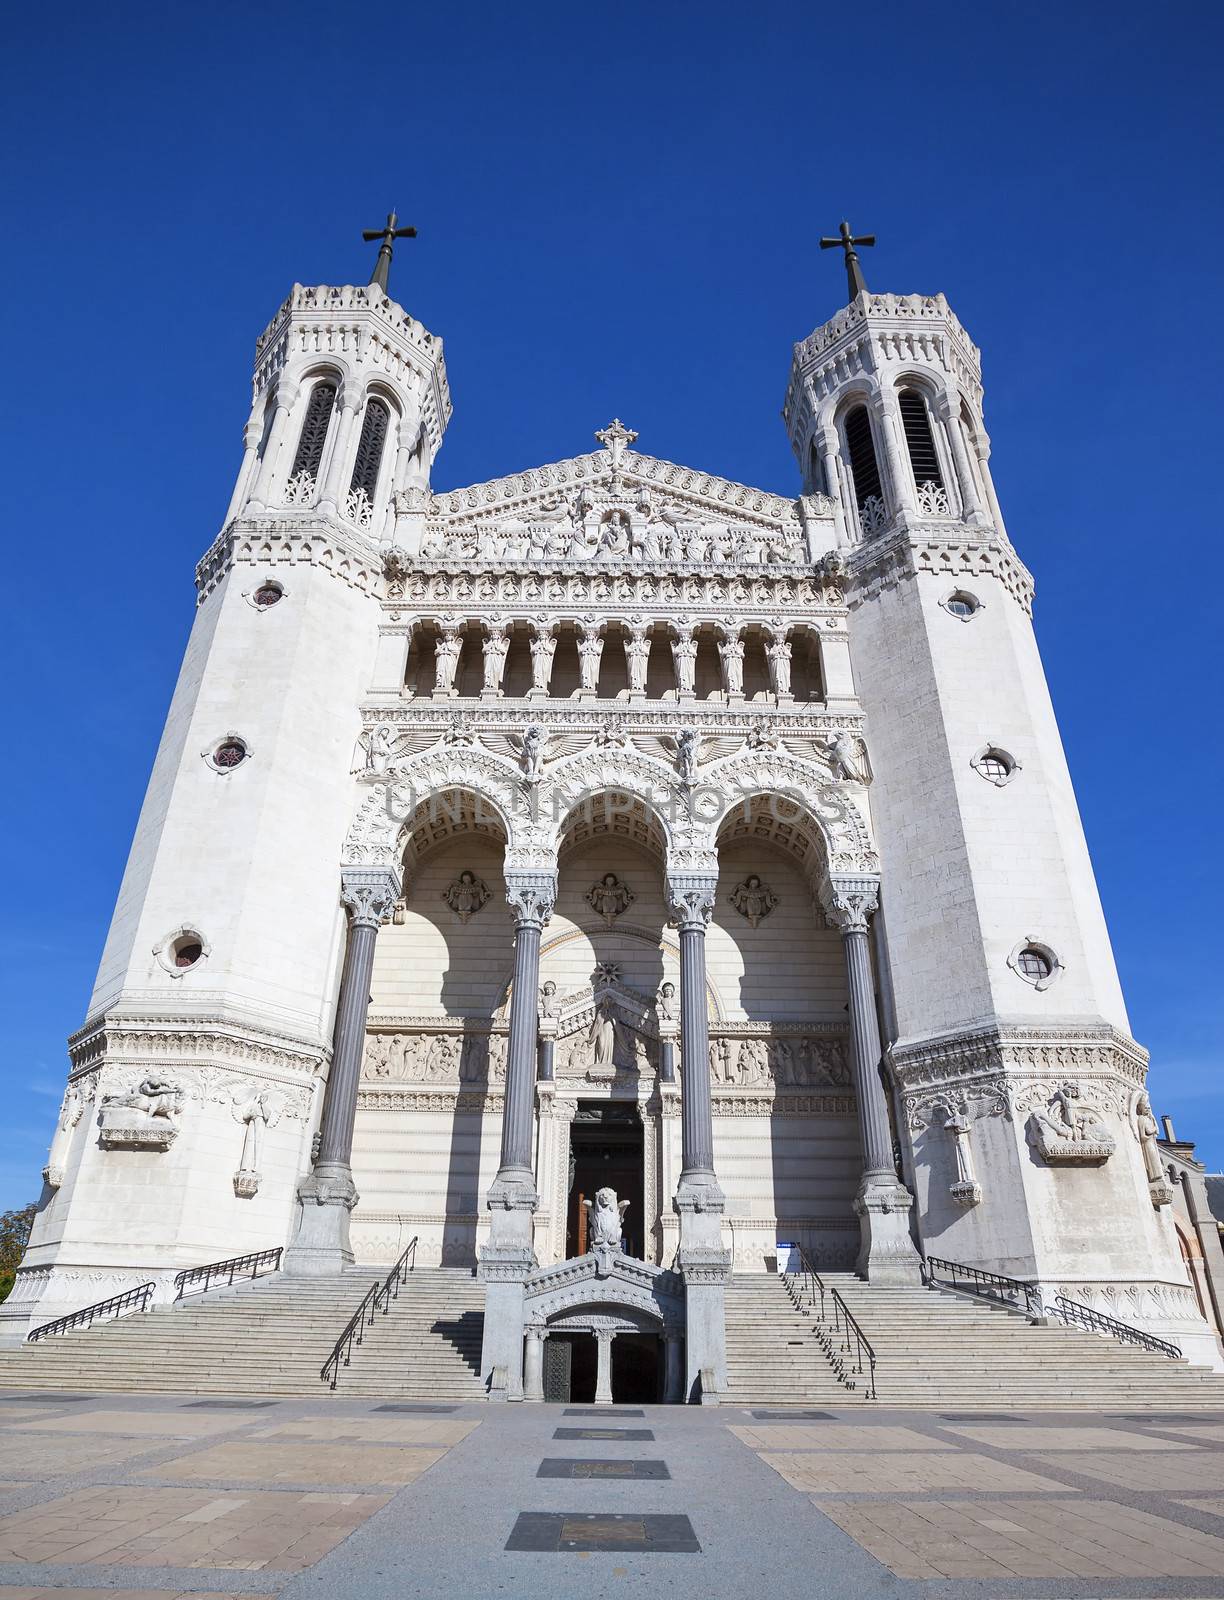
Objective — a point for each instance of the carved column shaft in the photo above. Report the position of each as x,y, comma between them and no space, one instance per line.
531,901
865,1052
971,504
348,1041
692,902
333,486
265,473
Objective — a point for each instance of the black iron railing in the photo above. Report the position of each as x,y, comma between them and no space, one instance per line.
218,1274
119,1305
848,1348
1076,1315
1015,1292
378,1297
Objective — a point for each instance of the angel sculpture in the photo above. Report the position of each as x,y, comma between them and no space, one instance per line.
607,1217
374,750
847,757
531,749
753,900
609,898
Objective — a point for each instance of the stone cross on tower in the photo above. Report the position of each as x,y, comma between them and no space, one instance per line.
847,241
615,438
382,267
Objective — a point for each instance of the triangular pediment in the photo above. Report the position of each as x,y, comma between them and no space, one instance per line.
616,502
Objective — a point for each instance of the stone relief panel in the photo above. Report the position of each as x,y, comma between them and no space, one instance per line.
467,895
451,1058
609,898
792,1061
1068,1130
753,899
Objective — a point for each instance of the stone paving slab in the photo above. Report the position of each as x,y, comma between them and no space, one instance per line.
584,1531
122,1524
851,1436
183,1424
917,1471
27,1455
1143,1471
371,1430
591,1467
1054,1438
1025,1539
248,1461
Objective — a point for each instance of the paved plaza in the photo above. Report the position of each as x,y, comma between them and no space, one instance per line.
151,1498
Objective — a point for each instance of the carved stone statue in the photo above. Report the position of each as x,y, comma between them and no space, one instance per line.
637,658
684,655
753,900
966,1191
1147,1131
549,1005
145,1117
153,1096
374,749
666,1002
543,649
533,753
496,647
590,654
846,759
779,656
446,660
467,895
606,1217
610,897
731,654
686,756
256,1113
602,1036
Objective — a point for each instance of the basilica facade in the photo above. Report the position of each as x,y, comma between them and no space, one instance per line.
611,876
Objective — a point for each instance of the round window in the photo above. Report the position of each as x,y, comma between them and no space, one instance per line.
962,604
267,595
1034,964
229,753
186,951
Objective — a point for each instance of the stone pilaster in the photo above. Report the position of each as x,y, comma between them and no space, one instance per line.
886,1254
326,1198
699,1201
509,1256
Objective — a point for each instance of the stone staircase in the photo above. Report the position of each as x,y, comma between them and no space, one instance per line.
270,1337
935,1349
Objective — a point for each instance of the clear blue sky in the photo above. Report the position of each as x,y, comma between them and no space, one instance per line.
618,208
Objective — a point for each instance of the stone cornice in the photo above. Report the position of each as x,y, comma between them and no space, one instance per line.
572,589
116,1035
956,1059
306,538
948,550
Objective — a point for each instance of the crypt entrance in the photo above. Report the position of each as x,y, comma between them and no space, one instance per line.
606,1150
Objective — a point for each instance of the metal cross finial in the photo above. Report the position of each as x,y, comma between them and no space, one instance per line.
847,241
382,267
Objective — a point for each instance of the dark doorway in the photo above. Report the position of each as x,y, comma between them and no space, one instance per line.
559,1367
635,1368
605,1152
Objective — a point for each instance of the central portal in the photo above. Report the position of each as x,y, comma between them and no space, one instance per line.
606,1152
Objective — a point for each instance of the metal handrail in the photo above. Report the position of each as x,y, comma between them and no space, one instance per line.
247,1266
136,1299
844,1342
1016,1292
378,1297
1076,1315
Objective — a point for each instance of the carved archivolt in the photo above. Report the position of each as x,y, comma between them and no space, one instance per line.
534,814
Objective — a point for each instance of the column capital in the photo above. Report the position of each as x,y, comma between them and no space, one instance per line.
690,898
369,894
850,903
531,897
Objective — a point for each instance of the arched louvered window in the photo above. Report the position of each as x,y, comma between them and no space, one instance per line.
924,459
863,459
370,446
309,456
816,477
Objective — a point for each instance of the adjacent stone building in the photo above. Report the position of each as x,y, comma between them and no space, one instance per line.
611,826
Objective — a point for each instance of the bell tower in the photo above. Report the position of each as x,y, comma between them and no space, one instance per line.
991,943
196,1079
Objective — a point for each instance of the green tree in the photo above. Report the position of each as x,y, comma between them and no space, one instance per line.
14,1236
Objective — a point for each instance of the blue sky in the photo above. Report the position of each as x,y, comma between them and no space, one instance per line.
618,208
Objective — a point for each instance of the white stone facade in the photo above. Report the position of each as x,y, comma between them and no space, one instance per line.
626,688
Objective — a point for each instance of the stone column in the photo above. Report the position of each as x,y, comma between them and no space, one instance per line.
508,1259
533,1366
673,1372
971,502
261,491
320,1245
699,1200
251,435
333,493
603,1367
896,464
886,1253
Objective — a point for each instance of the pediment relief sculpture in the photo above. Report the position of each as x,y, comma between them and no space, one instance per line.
145,1116
786,1062
441,1058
